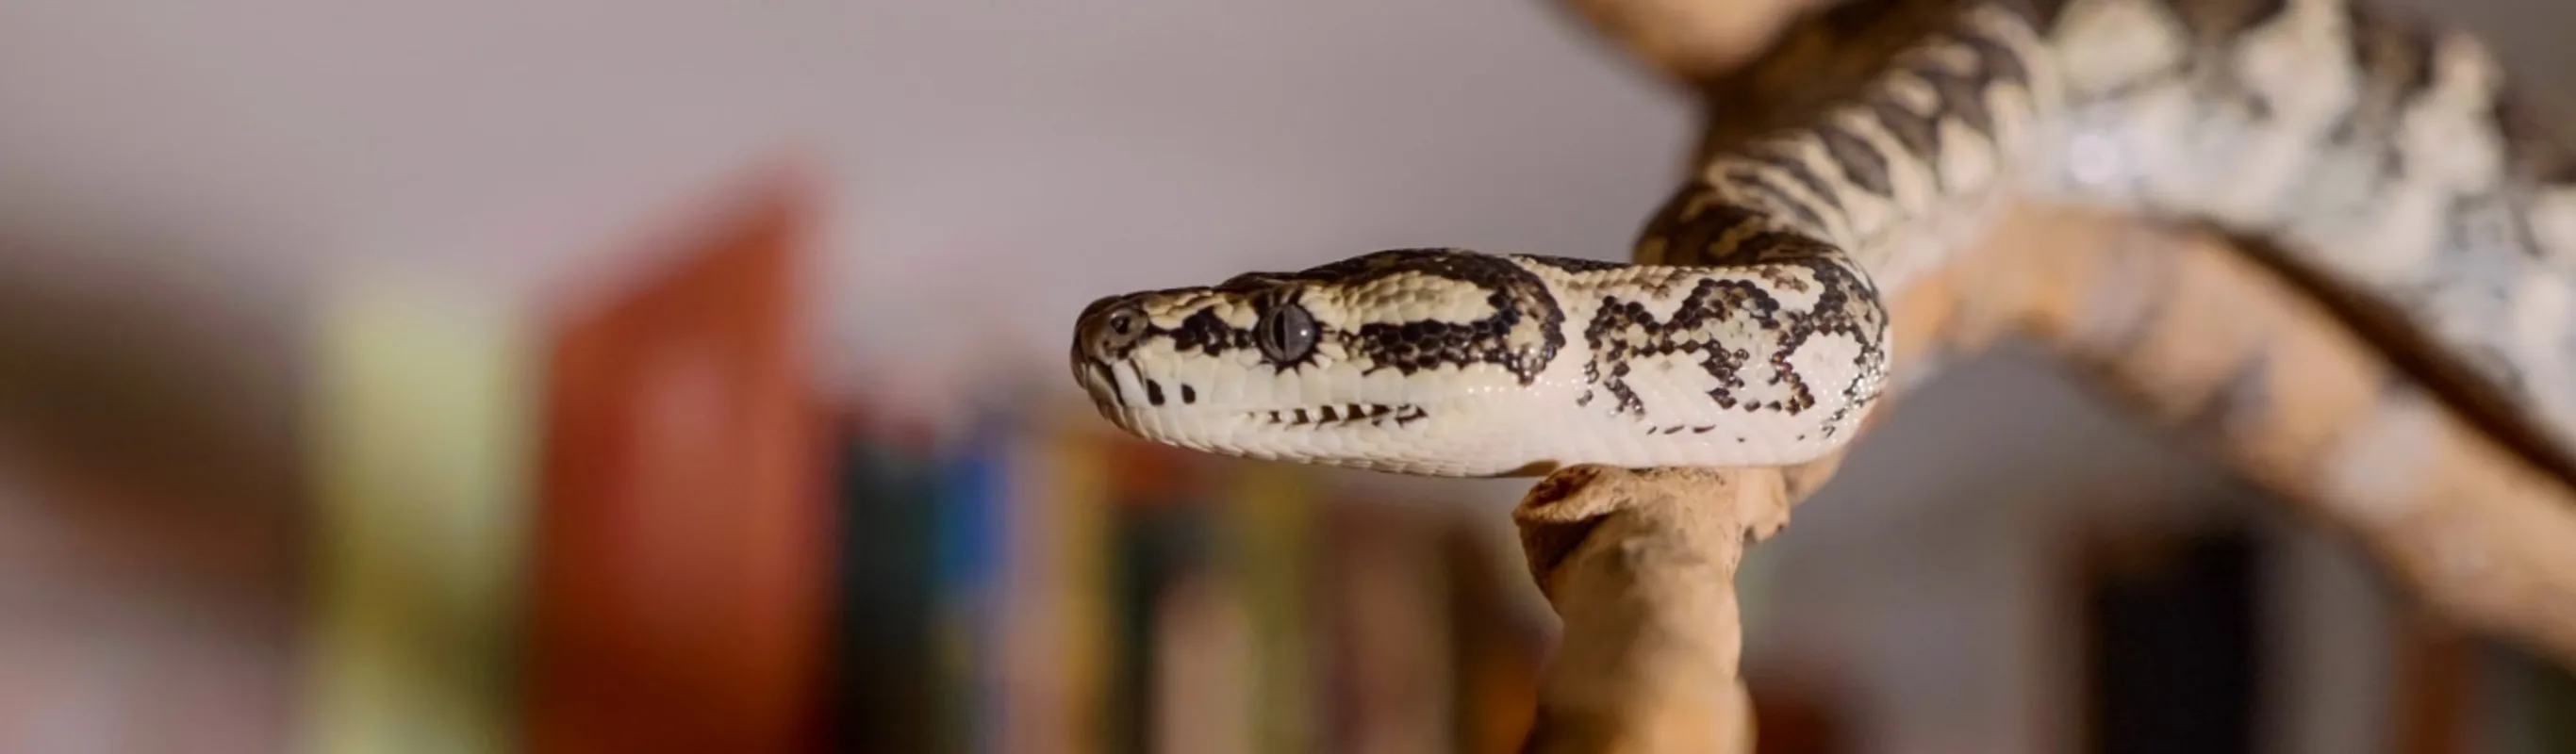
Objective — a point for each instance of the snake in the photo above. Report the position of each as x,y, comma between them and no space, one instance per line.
2385,157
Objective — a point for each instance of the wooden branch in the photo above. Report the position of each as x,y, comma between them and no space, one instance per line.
1641,566
2182,328
2189,332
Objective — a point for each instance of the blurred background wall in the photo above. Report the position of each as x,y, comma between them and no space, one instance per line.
178,180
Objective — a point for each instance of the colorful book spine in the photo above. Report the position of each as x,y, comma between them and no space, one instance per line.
1495,649
970,541
682,575
1268,551
1203,665
1157,534
1389,620
883,669
1050,614
421,400
1036,587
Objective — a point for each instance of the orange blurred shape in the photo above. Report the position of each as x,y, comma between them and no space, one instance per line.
681,565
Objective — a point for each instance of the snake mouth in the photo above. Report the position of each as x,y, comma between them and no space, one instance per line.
1344,415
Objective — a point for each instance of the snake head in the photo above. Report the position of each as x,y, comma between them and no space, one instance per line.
1410,360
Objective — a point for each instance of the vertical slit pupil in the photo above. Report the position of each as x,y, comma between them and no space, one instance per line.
1287,333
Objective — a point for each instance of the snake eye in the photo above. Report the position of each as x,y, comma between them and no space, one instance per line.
1117,329
1286,334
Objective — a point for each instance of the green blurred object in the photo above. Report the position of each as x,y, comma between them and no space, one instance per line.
420,416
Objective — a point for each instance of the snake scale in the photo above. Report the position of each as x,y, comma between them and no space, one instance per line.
2385,156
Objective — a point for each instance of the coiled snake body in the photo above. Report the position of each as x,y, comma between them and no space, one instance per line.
2384,155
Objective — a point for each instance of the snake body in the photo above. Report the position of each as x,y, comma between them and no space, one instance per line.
2385,156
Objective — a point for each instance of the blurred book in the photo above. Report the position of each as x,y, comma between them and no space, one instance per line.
1269,551
1158,539
420,411
1050,611
1496,650
1383,588
884,670
681,571
969,540
1037,585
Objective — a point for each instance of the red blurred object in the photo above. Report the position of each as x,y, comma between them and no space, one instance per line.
681,564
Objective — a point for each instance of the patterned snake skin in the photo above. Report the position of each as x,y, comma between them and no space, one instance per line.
2379,155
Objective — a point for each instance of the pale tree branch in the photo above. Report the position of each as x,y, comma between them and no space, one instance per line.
1641,565
2236,358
